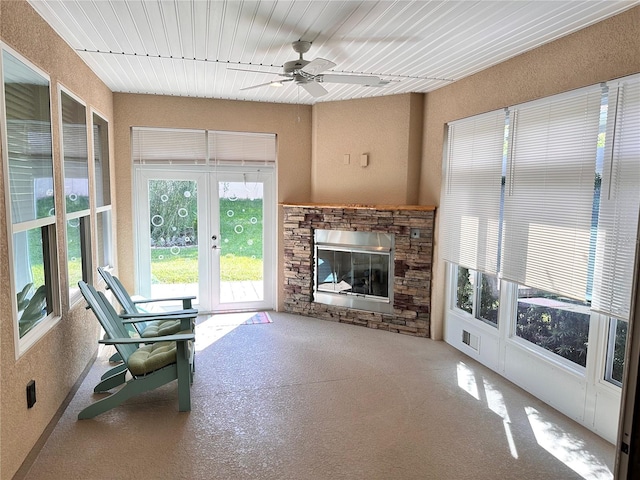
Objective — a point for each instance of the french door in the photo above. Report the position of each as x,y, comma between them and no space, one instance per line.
208,234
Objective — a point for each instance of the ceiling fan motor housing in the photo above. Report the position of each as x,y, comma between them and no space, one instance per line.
293,65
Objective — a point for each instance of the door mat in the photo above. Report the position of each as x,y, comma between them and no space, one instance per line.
258,317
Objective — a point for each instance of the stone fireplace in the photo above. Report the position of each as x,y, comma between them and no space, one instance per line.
350,283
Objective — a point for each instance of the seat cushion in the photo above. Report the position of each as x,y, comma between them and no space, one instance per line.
160,328
152,357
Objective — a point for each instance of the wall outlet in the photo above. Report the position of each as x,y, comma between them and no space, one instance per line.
364,160
31,393
346,159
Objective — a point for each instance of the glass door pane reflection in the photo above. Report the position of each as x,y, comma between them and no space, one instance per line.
241,206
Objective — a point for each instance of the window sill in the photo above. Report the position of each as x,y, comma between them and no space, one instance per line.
548,357
39,331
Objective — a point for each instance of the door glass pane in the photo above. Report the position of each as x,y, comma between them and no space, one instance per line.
240,243
173,237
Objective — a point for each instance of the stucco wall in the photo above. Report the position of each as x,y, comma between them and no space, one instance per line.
56,361
387,129
291,124
604,51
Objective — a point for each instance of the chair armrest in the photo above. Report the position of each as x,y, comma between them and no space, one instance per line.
177,314
168,299
181,337
159,317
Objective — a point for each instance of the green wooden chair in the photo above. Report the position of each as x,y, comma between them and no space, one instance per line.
160,361
167,323
186,322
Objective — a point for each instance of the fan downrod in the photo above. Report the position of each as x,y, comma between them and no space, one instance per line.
293,66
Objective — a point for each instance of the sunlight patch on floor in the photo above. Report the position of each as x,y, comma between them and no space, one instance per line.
214,327
467,380
567,448
496,403
495,400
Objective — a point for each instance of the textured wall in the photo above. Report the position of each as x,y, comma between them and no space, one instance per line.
59,357
291,124
388,129
604,51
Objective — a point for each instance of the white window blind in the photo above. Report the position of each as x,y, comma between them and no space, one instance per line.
195,147
549,192
619,202
470,204
168,146
242,147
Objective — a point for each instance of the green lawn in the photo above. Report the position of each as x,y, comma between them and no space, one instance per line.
183,268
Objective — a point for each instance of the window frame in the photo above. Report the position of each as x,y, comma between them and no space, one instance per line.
609,353
107,243
84,215
22,344
542,352
476,295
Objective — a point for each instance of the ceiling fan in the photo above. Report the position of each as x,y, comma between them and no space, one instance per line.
308,74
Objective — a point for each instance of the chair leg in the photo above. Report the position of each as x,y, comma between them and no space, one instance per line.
115,358
112,371
111,382
185,377
133,387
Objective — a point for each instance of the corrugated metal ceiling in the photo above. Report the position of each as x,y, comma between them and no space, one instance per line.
185,47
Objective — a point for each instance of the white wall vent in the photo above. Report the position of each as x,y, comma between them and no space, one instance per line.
472,340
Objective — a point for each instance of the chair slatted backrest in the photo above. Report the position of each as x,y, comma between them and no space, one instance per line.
118,290
108,318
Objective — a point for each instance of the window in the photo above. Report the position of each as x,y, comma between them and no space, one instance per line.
76,190
549,192
102,182
472,203
616,347
29,160
555,323
478,294
564,223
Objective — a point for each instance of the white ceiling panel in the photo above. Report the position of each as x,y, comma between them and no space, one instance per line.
187,47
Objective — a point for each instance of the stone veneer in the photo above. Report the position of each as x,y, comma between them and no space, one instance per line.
412,262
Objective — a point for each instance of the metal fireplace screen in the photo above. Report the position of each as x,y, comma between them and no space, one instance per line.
354,269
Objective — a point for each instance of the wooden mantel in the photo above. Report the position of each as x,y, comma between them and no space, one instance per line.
357,206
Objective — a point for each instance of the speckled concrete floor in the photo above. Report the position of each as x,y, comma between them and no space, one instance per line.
301,398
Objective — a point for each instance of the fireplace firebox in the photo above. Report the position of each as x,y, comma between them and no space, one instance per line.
354,269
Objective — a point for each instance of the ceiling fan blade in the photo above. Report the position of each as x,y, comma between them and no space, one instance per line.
272,83
367,80
314,89
314,67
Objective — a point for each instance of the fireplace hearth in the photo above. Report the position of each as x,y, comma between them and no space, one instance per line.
379,278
